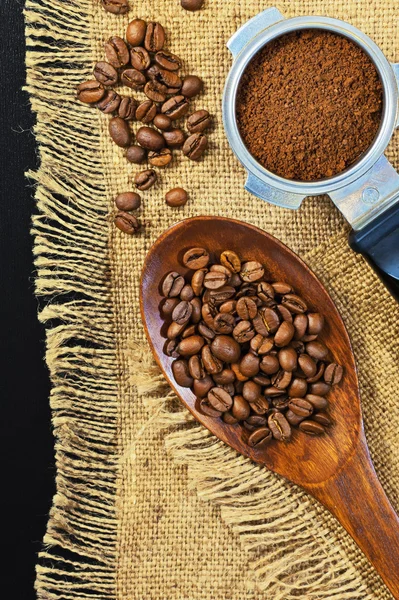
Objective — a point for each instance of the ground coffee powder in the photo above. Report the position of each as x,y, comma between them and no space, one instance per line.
309,104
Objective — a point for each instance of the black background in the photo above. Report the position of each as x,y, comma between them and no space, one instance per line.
28,484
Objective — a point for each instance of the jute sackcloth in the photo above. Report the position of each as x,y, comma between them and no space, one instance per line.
149,505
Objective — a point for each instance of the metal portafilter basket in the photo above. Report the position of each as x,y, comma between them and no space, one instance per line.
366,193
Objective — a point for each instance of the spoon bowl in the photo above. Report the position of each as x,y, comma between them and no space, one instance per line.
335,468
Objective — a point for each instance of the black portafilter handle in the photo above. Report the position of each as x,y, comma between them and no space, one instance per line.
379,244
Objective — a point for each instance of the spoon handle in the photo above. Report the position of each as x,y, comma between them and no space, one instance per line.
356,498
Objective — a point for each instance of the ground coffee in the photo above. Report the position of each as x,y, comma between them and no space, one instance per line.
309,104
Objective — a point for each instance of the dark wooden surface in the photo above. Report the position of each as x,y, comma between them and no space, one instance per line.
335,468
27,445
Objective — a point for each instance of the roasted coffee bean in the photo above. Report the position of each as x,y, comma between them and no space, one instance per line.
139,58
307,365
281,402
249,365
252,271
127,108
154,38
279,426
243,332
206,331
105,73
136,154
281,288
318,402
182,312
175,107
174,138
269,364
311,427
288,359
199,121
294,303
214,280
226,349
127,223
221,269
292,418
117,7
176,197
223,323
316,323
251,391
196,258
170,348
261,379
261,344
189,331
146,111
192,86
196,367
207,408
208,313
135,32
281,379
228,307
174,331
300,407
145,179
301,325
128,201
254,422
167,60
333,374
162,158
260,326
322,418
169,81
201,387
195,303
211,363
284,334
273,392
246,289
172,284
271,319
153,92
260,438
117,52
120,132
246,308
260,406
221,294
187,294
265,293
191,345
220,399
317,350
162,122
240,409
298,388
284,313
150,139
228,418
90,92
318,375
168,306
224,377
191,5
299,347
133,78
195,146
229,388
231,261
235,367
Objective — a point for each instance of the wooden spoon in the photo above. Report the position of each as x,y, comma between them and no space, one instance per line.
336,468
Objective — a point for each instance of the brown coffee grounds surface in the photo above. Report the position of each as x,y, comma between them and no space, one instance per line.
309,104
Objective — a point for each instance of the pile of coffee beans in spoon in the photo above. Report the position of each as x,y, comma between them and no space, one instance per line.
247,347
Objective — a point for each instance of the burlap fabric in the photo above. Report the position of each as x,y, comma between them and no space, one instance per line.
149,505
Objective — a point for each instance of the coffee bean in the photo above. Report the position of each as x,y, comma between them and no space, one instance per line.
192,5
174,138
181,373
201,387
251,391
281,402
192,86
207,408
311,427
298,388
271,319
170,81
246,309
318,402
322,418
294,303
288,359
241,409
90,92
317,350
307,365
260,438
198,121
243,332
167,60
333,374
170,348
162,158
162,122
292,418
127,223
235,367
261,379
154,37
252,271
195,145
318,375
135,32
127,109
105,73
196,258
176,197
228,418
133,78
220,399
153,92
206,331
195,303
224,377
117,52
273,392
168,306
150,139
146,111
220,294
136,154
120,132
175,107
211,363
254,422
182,312
173,284
128,201
110,102
145,179
300,407
228,307
189,330
281,379
300,324
279,426
284,334
316,323
214,280
230,260
188,294
265,293
117,7
249,365
223,323
269,365
197,281
139,58
191,345
284,313
226,349
261,344
196,367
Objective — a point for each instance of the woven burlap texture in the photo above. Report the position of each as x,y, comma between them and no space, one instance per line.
128,520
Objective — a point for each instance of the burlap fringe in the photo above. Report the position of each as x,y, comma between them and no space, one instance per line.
72,273
291,553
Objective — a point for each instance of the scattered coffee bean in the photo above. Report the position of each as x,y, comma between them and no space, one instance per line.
117,7
198,121
192,5
162,122
279,426
174,138
150,139
117,52
181,373
146,111
128,201
161,158
311,427
333,374
110,102
120,132
196,258
154,92
154,38
127,223
133,78
136,154
105,73
176,197
139,58
145,179
220,399
167,60
127,109
175,107
90,92
172,284
195,146
192,86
